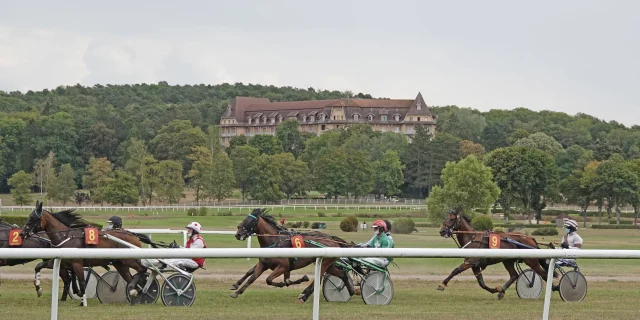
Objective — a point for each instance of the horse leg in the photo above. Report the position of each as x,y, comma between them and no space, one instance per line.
477,271
460,269
37,276
276,273
307,292
78,269
68,280
287,276
259,269
239,282
513,276
123,267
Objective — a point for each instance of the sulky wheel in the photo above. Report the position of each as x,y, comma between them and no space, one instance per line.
573,286
178,290
91,285
111,288
148,297
529,285
334,289
376,288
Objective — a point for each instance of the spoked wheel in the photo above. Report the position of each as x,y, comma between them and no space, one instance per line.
573,286
184,293
334,289
148,297
529,285
91,286
111,288
377,288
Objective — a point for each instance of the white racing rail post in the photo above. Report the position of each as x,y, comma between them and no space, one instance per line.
316,289
547,293
54,289
318,253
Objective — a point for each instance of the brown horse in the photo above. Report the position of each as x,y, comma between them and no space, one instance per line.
67,230
268,240
468,237
39,241
258,223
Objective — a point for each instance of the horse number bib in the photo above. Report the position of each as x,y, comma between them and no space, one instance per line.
14,238
297,242
91,236
494,241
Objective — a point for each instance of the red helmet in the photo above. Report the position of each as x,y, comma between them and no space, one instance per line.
381,224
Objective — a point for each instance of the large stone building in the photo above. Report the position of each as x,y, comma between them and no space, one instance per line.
251,116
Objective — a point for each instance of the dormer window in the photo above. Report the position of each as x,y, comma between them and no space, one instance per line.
304,118
370,117
356,117
249,120
264,119
383,117
419,105
273,120
323,116
279,119
396,117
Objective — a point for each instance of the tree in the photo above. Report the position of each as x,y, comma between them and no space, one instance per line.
123,189
98,174
213,139
295,174
468,148
243,158
21,183
266,144
573,158
577,192
495,135
634,199
138,161
290,138
175,142
237,141
63,187
217,176
265,179
170,185
360,174
467,184
389,174
332,173
616,182
44,170
540,141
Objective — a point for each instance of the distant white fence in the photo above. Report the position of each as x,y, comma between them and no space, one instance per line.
318,253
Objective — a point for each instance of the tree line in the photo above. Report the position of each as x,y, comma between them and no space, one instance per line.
144,143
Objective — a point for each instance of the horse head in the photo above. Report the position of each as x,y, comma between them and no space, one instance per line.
35,222
249,225
451,224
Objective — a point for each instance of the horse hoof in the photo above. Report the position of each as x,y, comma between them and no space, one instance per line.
299,301
500,295
233,295
356,291
234,287
305,278
441,287
39,292
133,293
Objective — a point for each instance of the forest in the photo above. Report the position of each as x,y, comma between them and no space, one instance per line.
146,143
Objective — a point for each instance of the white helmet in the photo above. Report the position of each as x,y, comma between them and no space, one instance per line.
194,226
571,223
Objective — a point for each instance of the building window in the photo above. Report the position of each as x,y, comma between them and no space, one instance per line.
383,118
419,106
249,120
304,118
397,129
396,117
356,117
264,119
322,127
418,118
273,120
370,117
311,118
322,116
279,119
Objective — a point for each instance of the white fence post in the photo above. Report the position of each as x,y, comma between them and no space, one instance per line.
316,289
54,289
248,245
547,293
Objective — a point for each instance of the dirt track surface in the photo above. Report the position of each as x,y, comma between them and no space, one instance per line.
235,277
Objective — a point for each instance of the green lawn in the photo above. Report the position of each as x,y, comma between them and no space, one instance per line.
412,299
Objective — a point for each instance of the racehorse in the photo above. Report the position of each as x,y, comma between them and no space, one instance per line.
468,237
67,230
32,242
269,240
257,223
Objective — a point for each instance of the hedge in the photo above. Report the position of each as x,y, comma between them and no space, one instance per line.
532,226
621,222
613,226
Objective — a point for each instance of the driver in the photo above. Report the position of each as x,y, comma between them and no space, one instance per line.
195,242
114,223
571,240
380,240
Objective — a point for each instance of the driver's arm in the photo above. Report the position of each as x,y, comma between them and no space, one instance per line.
198,244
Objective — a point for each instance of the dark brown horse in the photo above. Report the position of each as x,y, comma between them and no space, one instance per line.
468,237
39,241
268,240
258,223
67,230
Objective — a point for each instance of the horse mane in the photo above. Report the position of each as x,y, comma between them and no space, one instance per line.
466,218
70,219
272,222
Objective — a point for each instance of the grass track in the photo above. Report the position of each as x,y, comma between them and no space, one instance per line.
417,300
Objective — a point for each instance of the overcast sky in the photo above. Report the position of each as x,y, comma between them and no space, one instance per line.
570,56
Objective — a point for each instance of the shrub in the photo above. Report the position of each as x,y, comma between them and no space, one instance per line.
614,226
338,215
192,212
547,231
498,229
520,225
225,213
613,221
428,225
349,224
202,212
306,224
482,222
322,214
404,226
